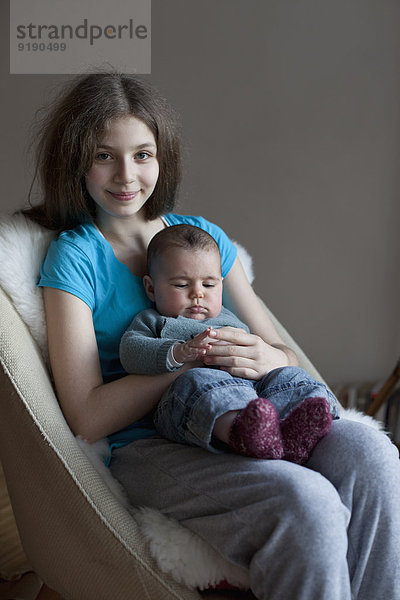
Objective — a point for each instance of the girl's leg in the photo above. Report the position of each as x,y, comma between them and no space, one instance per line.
364,467
283,522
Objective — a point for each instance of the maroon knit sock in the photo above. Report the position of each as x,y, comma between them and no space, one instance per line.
304,427
256,431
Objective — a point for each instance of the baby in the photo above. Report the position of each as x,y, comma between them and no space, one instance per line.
283,415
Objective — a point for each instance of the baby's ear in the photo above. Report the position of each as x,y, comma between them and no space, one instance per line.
149,287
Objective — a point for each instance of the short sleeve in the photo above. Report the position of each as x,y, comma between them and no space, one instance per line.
66,267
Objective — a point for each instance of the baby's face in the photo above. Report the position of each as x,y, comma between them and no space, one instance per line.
188,283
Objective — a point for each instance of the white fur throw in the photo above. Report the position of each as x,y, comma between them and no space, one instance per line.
23,245
177,550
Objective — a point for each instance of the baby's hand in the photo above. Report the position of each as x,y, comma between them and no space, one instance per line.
194,348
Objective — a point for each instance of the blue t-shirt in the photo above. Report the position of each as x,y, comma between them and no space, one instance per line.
82,262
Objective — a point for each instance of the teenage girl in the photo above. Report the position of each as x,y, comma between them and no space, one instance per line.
108,163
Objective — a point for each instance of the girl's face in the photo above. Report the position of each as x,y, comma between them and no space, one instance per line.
125,169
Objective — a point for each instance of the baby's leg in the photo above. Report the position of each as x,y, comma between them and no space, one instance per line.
305,426
255,431
287,387
204,407
194,403
305,406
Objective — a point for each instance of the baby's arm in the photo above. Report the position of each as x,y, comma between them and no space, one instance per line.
141,350
194,348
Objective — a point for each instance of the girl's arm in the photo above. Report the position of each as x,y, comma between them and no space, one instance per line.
92,409
248,355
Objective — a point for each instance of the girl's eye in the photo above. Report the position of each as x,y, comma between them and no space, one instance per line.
142,155
103,156
209,285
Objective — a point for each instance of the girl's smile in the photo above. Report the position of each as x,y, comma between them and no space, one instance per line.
125,196
125,168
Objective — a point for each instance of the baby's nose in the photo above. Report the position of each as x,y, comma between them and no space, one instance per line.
197,292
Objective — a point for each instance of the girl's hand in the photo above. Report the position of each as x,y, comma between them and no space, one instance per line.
243,354
193,349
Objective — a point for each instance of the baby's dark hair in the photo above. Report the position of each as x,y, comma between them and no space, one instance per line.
187,237
69,135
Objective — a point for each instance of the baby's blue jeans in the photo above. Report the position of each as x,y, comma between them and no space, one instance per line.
188,409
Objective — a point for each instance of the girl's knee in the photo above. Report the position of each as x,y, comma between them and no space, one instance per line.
358,459
375,456
359,443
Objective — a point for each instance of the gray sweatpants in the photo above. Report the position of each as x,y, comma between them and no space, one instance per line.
326,531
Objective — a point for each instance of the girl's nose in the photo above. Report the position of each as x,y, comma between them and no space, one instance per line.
126,172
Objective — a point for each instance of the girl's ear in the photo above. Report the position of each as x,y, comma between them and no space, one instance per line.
149,287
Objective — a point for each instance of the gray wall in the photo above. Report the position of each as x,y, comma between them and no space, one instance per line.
290,113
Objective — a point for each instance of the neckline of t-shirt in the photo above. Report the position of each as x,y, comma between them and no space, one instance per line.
162,217
111,249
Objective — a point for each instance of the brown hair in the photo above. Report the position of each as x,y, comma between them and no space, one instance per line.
69,136
187,237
